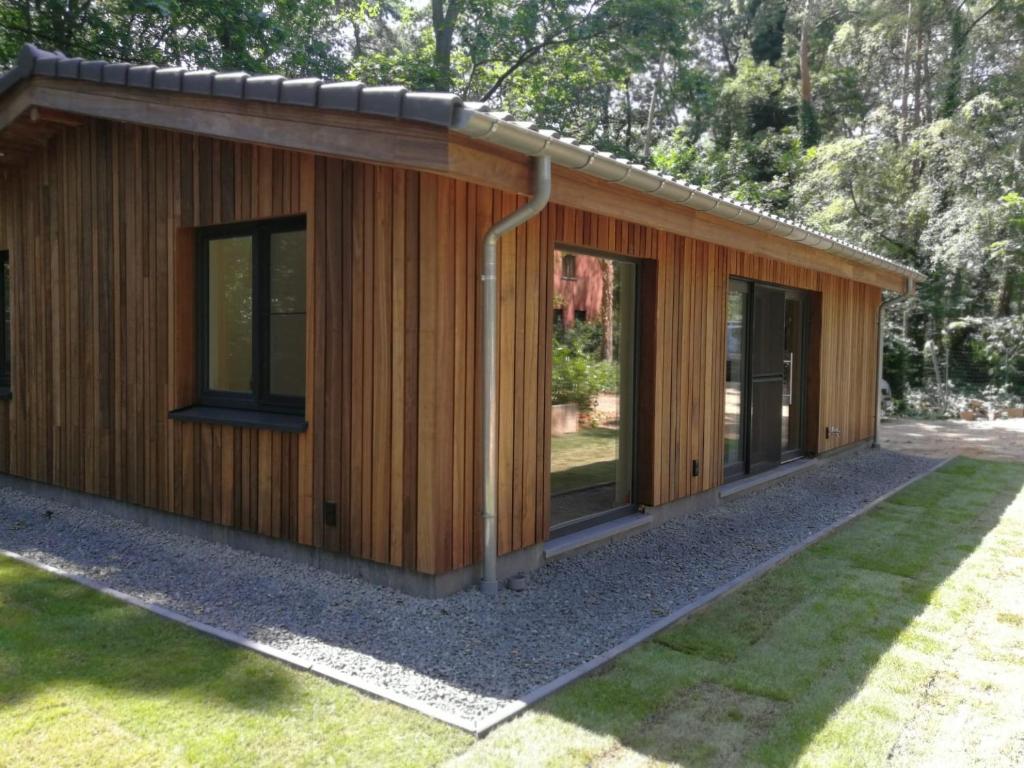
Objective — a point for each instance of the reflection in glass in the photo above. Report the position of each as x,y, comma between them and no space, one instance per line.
288,314
5,364
592,389
229,281
736,325
792,376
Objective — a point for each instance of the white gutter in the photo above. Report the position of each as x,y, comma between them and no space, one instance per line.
494,127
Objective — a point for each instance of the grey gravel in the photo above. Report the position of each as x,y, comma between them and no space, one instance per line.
465,654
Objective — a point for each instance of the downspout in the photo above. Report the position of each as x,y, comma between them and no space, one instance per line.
881,356
489,278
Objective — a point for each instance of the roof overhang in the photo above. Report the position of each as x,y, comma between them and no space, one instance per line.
393,126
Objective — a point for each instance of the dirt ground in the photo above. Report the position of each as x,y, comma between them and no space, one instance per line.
1001,439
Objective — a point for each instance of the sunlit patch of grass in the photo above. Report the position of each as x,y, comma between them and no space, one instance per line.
86,680
583,459
876,645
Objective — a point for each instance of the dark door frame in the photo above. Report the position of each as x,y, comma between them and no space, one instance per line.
807,304
640,313
804,351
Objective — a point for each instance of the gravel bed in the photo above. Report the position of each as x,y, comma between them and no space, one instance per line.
465,654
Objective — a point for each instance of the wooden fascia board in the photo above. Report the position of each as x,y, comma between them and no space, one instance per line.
426,148
573,189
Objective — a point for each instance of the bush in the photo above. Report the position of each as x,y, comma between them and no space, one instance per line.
584,337
578,371
574,377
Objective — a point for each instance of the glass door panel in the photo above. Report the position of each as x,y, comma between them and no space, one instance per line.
765,376
593,392
793,376
735,377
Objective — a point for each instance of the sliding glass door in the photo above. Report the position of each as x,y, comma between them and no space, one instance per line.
765,375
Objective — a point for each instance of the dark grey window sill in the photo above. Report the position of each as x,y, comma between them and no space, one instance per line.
235,417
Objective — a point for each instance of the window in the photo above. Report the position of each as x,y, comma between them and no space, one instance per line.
569,266
579,316
559,319
252,316
5,322
737,320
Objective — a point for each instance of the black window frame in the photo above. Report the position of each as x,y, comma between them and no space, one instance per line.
261,399
6,339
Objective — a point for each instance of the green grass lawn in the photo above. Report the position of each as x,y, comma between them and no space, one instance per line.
88,681
898,640
583,459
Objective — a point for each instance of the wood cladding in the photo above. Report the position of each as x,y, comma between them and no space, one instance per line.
100,225
92,224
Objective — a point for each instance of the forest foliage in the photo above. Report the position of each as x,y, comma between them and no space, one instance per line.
898,125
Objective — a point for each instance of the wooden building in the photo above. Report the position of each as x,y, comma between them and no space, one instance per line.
255,302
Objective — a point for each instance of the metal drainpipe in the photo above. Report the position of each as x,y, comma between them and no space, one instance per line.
881,356
489,277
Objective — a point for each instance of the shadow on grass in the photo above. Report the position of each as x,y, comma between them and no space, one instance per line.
54,632
755,678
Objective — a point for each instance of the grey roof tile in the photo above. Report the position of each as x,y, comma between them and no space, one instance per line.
385,100
69,68
92,71
168,79
46,65
141,76
116,74
198,81
341,96
435,108
263,87
301,92
230,84
27,57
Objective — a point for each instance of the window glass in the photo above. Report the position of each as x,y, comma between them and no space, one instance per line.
5,319
569,265
736,324
230,335
792,380
288,314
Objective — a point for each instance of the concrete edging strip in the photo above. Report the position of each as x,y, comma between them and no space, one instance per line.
486,724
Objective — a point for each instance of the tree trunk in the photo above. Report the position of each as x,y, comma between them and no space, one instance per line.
927,77
650,109
810,133
628,133
905,81
917,75
443,20
607,308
